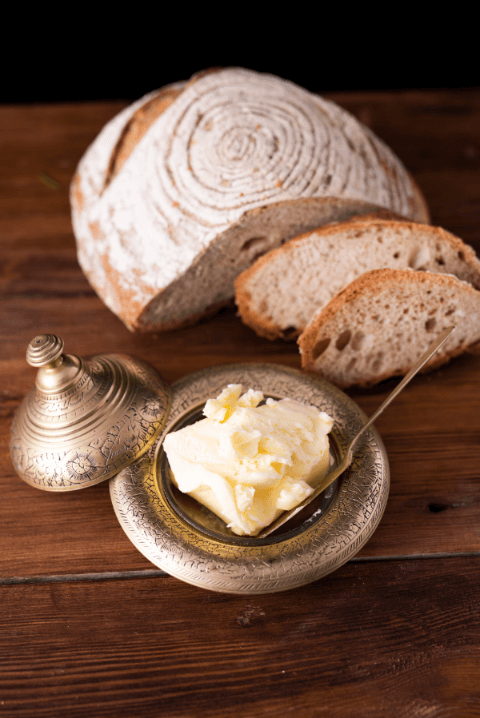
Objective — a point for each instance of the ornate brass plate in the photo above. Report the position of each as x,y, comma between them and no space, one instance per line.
188,542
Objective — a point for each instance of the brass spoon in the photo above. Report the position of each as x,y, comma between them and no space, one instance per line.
348,457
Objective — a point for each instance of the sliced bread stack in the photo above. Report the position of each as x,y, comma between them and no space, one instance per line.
365,296
186,187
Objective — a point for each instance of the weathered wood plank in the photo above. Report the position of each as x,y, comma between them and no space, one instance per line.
372,640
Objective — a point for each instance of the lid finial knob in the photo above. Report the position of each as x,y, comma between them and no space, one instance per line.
44,349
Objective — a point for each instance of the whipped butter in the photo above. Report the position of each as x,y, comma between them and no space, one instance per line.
249,462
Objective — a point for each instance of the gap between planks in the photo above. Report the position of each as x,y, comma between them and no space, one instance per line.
156,573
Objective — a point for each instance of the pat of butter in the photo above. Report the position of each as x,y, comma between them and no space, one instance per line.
248,463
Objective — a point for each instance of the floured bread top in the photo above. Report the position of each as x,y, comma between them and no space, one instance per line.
231,141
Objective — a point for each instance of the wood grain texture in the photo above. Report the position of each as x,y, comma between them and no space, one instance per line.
400,638
83,633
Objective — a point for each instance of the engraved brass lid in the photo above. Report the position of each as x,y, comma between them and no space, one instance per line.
86,419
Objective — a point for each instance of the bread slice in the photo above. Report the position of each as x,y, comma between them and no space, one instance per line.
382,322
184,189
278,295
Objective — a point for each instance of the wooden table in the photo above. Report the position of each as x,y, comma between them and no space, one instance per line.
90,628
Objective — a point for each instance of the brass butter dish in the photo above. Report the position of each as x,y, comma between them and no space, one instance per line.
86,419
188,542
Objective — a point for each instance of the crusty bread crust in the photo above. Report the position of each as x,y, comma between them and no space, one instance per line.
285,267
382,322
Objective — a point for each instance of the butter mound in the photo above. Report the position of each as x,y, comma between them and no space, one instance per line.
248,463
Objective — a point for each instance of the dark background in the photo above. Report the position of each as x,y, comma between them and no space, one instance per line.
87,55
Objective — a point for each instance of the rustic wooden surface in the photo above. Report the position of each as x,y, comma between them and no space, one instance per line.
90,627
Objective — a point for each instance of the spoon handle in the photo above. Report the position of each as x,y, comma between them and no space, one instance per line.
348,456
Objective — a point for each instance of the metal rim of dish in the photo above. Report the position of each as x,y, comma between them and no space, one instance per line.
210,560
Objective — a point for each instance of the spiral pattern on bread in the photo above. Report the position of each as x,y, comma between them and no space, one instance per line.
235,140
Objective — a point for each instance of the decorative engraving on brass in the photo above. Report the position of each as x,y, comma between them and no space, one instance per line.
86,419
204,554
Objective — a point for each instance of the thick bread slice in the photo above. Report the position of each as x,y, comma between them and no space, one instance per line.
278,295
181,191
382,322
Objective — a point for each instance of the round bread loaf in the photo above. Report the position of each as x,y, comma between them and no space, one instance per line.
185,188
